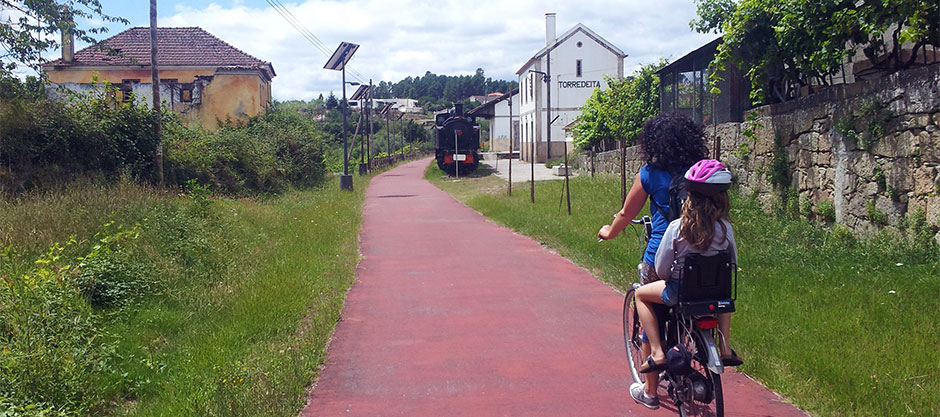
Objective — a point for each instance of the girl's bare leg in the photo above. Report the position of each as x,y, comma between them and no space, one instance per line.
646,295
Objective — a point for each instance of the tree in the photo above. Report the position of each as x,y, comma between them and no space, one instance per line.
331,101
33,27
619,112
782,44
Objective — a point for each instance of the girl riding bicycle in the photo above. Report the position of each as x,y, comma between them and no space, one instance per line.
704,228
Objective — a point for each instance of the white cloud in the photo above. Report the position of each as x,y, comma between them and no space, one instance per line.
409,37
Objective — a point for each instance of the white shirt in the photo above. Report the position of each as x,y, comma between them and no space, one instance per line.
670,257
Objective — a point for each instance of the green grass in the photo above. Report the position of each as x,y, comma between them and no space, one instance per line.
817,320
228,303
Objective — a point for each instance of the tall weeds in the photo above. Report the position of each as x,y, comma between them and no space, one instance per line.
45,141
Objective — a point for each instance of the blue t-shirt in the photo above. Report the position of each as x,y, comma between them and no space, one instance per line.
655,182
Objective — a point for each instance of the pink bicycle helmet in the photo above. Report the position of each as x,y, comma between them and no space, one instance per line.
708,177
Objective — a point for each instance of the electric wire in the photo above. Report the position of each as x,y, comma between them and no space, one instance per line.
308,35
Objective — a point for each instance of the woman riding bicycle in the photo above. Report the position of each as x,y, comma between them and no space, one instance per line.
703,228
670,144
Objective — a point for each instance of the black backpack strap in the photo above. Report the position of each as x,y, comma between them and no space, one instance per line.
673,172
659,209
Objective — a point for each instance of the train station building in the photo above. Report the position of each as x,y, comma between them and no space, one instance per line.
555,83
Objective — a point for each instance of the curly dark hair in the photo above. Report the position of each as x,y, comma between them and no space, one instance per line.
672,140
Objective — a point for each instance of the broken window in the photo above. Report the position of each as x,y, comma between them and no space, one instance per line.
127,90
186,93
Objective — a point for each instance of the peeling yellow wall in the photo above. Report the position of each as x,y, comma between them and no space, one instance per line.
229,96
234,97
116,76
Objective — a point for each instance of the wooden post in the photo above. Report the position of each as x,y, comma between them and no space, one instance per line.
155,79
623,171
510,140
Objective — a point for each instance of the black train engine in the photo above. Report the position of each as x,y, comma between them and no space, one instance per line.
457,134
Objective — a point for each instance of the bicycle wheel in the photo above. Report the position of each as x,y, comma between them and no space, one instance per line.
633,335
702,388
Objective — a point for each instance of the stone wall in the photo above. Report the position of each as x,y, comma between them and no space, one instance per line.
809,151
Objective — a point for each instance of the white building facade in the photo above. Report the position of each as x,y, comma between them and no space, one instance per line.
497,111
574,63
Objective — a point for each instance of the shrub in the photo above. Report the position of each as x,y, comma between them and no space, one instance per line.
827,210
842,236
866,126
47,140
880,178
108,276
806,207
53,348
918,243
876,216
270,153
56,358
779,174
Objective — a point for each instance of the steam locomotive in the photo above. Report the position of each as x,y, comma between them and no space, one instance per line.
458,142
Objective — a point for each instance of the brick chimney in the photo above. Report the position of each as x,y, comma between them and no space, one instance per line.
68,46
549,28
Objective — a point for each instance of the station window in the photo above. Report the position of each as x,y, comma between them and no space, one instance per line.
531,93
577,68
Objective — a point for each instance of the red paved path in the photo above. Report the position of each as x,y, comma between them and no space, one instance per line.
453,315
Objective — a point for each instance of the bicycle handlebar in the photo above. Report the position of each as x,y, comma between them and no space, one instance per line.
645,220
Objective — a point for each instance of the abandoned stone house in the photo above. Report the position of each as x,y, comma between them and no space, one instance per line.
202,78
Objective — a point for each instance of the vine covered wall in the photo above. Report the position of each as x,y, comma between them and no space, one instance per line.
864,155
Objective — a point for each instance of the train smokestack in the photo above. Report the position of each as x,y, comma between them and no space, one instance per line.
458,109
549,29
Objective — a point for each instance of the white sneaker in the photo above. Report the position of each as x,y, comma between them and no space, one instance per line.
638,392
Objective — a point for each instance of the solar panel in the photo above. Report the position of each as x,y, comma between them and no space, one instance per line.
342,56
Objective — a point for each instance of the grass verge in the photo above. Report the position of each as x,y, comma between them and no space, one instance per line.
839,326
171,304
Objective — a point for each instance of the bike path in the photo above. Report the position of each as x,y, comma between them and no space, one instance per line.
453,315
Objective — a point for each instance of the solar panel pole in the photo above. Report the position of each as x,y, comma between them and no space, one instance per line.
345,182
337,62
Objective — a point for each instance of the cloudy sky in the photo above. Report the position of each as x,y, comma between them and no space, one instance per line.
399,38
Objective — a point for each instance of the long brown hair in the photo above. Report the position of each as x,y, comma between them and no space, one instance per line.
699,215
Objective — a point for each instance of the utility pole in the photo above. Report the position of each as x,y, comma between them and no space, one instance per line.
155,80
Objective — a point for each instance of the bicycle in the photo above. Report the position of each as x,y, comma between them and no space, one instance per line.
704,292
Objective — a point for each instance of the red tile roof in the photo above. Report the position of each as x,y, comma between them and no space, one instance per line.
186,46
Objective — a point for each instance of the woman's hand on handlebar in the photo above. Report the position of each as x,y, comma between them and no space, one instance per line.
605,233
